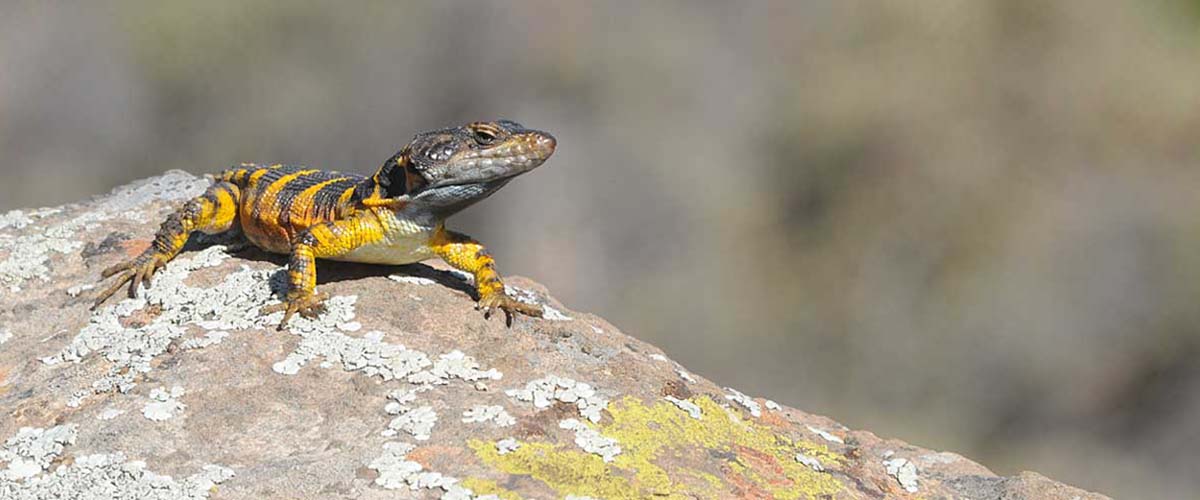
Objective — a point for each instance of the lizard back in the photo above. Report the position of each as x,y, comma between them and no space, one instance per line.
278,202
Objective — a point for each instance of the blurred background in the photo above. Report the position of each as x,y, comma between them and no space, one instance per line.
974,226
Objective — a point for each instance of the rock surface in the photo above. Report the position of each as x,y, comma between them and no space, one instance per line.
401,390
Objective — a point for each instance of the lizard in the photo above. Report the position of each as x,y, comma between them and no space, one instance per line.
395,216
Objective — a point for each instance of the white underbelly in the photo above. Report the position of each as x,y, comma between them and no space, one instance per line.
403,242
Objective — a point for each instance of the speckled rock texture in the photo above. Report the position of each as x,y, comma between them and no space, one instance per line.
401,390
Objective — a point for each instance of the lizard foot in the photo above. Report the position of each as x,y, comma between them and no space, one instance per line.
507,304
134,272
309,305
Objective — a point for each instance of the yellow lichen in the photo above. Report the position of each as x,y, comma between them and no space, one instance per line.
488,487
755,457
568,472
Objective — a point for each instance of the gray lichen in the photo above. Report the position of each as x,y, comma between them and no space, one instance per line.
545,391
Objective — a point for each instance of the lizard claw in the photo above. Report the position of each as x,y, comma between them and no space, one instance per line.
507,304
134,272
309,305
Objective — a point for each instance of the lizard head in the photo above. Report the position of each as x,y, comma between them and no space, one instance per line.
457,166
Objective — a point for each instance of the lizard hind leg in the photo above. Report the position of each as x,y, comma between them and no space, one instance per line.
213,212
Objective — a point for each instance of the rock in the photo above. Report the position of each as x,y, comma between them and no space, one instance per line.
401,385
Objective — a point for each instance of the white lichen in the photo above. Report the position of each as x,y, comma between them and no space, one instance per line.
417,421
545,391
825,435
658,357
320,338
528,297
230,305
165,404
943,457
210,338
412,280
811,462
485,413
506,446
904,471
396,471
451,365
30,254
771,405
109,414
685,375
33,448
16,219
691,408
591,441
5,335
112,476
745,401
75,290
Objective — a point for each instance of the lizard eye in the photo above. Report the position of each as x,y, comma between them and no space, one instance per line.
484,136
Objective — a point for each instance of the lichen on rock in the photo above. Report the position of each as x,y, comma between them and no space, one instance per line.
253,400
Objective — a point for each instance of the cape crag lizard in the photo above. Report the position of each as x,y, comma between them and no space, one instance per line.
395,216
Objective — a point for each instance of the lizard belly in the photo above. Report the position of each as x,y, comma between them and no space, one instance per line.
403,242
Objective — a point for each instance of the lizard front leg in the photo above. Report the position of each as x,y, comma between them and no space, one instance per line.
323,240
212,212
466,254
